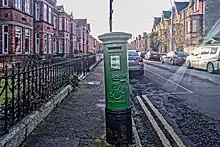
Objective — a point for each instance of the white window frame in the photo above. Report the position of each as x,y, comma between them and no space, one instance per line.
3,39
28,6
65,46
45,43
3,3
65,21
55,22
17,27
49,44
37,40
18,4
49,15
189,26
196,5
45,12
37,10
28,34
60,23
61,50
54,45
194,29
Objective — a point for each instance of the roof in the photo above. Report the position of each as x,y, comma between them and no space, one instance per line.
157,20
60,7
181,6
81,22
166,14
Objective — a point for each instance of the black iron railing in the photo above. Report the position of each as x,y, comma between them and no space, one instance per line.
24,87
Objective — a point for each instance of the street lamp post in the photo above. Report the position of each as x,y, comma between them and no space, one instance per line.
110,15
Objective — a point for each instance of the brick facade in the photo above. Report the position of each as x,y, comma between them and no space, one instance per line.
40,27
73,24
12,17
211,16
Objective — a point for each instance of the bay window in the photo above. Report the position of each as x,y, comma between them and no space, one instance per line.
45,43
27,6
18,4
45,12
5,40
37,10
18,39
37,43
27,41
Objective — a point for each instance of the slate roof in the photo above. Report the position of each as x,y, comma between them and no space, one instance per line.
167,14
81,22
157,20
181,5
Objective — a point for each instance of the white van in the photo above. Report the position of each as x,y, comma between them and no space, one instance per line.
206,57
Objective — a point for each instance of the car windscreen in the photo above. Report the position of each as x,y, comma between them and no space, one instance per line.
182,54
131,53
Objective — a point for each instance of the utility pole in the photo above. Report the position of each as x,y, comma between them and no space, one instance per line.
172,29
110,14
172,26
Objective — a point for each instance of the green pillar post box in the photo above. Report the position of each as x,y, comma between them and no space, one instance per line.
118,102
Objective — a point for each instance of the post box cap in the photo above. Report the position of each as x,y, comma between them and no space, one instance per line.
112,37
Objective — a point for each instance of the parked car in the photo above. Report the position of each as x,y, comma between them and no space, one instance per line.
152,55
142,54
135,62
174,58
207,58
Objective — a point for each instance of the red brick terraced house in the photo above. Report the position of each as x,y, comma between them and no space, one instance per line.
56,31
16,25
73,24
43,26
64,30
83,32
194,23
79,38
91,44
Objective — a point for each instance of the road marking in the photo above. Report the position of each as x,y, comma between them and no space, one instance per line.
136,136
171,82
171,93
164,122
160,133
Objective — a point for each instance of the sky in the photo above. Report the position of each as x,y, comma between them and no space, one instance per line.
132,16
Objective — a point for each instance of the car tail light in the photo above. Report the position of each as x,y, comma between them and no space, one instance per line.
140,59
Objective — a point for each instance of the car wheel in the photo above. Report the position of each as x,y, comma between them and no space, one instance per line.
188,64
141,72
171,61
210,68
162,60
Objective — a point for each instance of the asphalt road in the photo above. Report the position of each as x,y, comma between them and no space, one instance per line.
188,99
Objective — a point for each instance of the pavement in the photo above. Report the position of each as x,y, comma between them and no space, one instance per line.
172,106
78,121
